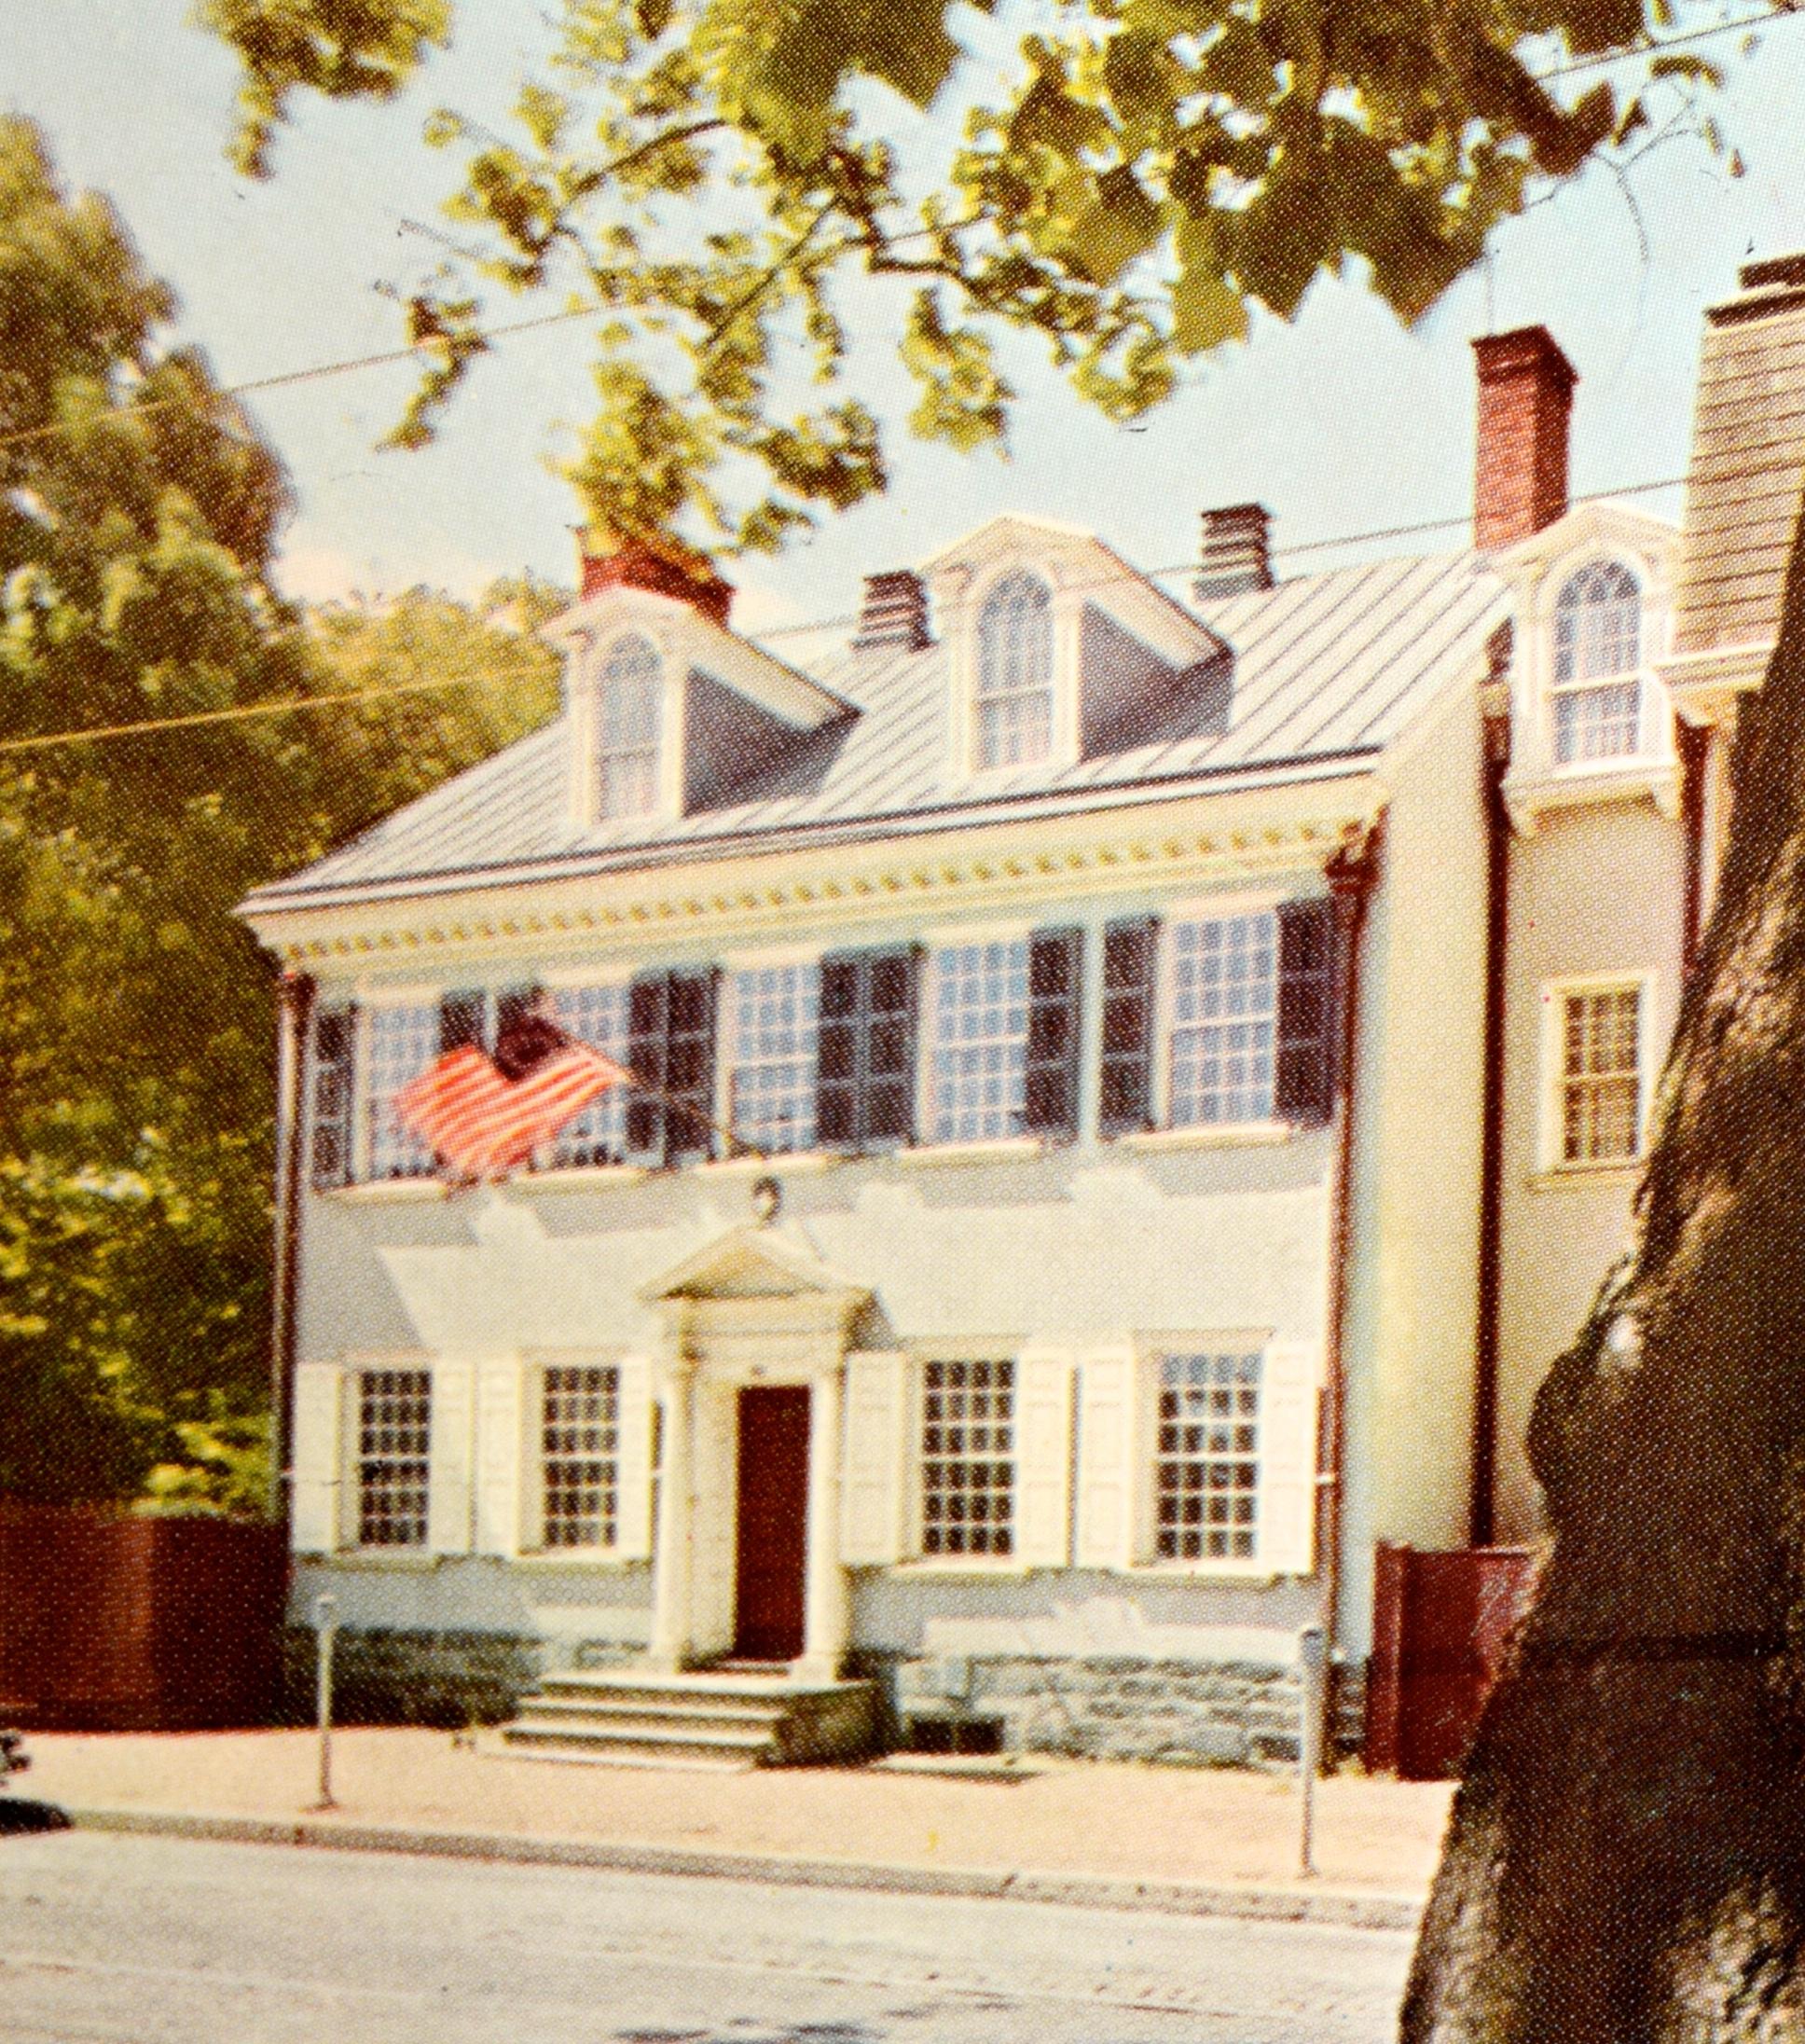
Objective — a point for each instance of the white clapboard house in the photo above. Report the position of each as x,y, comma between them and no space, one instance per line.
1171,1031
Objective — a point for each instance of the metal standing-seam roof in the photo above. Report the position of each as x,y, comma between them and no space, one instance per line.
1323,669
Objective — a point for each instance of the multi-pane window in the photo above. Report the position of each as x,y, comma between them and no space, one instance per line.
967,1458
1224,1011
628,701
980,1012
395,1434
1597,648
776,1024
1206,1468
1601,1075
404,1039
1015,694
596,1015
580,1456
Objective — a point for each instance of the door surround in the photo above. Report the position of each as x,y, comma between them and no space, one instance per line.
756,1307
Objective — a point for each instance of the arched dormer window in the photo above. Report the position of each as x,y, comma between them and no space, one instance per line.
1015,691
1597,652
629,692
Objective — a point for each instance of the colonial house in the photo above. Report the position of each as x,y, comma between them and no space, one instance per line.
1133,1096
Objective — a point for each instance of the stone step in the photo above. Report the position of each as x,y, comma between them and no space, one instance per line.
604,1709
747,1743
700,1761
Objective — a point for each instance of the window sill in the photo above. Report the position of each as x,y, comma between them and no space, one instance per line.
556,1562
998,1150
1569,1177
581,1178
1243,1574
378,1561
1208,1136
788,1164
977,1568
387,1191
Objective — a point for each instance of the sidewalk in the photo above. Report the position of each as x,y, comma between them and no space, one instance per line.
1113,1835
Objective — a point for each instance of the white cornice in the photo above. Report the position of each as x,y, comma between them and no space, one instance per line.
1017,864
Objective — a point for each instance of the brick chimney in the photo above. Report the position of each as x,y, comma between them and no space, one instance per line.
665,566
894,612
1237,552
1525,399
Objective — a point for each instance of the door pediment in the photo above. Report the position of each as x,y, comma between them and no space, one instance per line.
755,1263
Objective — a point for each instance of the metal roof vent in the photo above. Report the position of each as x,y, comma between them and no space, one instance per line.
1237,552
894,612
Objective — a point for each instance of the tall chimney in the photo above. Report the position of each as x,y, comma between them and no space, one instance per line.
1525,400
894,612
665,566
1237,552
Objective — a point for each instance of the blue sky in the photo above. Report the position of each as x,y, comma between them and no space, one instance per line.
1340,423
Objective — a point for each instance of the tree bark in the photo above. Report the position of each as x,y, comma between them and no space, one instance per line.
1625,1862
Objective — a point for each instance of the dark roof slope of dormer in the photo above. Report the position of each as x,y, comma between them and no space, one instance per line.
1327,671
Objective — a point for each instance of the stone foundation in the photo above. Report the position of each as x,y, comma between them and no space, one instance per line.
451,1679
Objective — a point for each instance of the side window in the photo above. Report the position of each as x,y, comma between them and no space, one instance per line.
1600,1080
1597,651
865,1090
775,1011
395,1434
335,1072
967,1458
1224,1019
1014,710
579,1444
1206,1459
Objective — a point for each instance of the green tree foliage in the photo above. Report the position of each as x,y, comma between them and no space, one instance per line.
1126,181
138,510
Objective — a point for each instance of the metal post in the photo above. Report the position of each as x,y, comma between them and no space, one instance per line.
1313,1659
325,1625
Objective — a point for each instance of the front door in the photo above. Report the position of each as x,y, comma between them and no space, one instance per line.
773,1537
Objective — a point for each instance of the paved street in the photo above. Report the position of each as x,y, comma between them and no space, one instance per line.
144,1940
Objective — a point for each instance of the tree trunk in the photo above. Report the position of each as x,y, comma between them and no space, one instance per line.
1626,1858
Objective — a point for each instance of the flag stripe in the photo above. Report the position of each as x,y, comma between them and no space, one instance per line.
483,1124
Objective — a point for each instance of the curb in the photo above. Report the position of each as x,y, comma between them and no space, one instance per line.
1350,1908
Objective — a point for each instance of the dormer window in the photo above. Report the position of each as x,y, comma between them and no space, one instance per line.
629,692
1014,680
1597,651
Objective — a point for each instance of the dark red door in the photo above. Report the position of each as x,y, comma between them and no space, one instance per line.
773,1544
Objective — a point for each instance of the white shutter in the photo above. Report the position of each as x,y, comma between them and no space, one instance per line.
448,1487
877,1409
1287,1461
633,1471
1109,1477
317,1449
1043,1442
500,1449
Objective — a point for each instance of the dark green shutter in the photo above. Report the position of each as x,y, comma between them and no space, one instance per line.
864,1075
334,1098
1130,949
461,1018
1054,975
647,1006
1303,1074
689,1066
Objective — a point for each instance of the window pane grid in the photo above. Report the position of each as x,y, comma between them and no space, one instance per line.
1597,638
1207,1463
596,1015
626,729
777,1022
968,1458
394,1426
404,1041
1599,722
1224,1012
1601,1076
981,1010
1015,694
580,1445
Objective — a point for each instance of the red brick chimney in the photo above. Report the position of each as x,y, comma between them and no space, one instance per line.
1525,399
665,566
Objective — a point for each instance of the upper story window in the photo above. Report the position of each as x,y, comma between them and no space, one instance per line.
1015,682
1006,1038
404,1039
629,692
598,1136
1224,1019
1597,651
776,1024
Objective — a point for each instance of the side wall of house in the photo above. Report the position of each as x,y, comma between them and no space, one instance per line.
1596,893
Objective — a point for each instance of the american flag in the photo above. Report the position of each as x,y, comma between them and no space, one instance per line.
485,1116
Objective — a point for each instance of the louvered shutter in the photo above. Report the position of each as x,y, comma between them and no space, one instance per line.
892,1004
460,1021
1304,1077
878,1409
633,1466
1109,1477
1287,1461
689,1066
1056,968
317,1450
838,1045
1043,1444
647,1005
334,1099
1130,949
449,1471
503,1422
